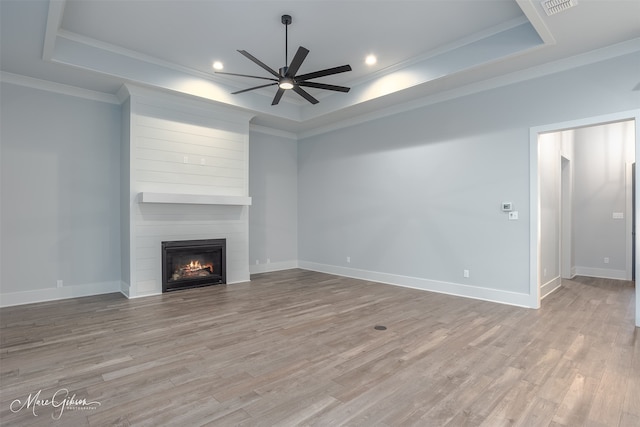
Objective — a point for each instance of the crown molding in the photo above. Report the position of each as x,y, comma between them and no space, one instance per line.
273,132
60,88
598,55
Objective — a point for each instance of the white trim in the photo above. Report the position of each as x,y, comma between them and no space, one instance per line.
271,131
604,273
60,88
273,266
193,199
53,294
549,287
456,289
534,224
628,189
124,288
148,294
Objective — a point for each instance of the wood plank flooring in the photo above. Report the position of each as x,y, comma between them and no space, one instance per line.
299,348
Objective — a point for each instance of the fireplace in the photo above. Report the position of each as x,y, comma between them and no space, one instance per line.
193,263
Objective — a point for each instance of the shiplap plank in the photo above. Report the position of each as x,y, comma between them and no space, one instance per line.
188,148
191,179
154,136
178,157
179,167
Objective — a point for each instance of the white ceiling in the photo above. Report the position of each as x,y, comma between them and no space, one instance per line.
424,47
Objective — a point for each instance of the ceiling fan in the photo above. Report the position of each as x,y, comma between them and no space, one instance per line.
286,77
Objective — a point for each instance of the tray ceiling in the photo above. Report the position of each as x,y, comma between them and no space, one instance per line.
423,47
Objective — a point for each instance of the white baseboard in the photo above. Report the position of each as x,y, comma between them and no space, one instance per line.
550,286
273,266
457,289
124,288
52,294
603,273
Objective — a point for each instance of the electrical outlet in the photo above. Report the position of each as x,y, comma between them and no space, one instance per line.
257,262
268,260
59,283
185,159
606,260
513,215
465,273
348,259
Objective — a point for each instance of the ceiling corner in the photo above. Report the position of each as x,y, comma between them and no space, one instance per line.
531,12
54,22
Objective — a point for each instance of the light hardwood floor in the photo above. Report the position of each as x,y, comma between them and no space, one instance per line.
300,348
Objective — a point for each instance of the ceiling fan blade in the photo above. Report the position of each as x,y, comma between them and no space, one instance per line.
276,98
322,73
252,88
305,94
260,63
246,75
301,54
325,86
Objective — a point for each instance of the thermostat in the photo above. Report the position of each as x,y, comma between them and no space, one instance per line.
507,206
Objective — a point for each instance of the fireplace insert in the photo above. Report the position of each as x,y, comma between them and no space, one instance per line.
193,263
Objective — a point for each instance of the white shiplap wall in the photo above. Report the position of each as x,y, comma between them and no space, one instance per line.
184,146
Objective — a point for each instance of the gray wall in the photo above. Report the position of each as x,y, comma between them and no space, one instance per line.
273,215
549,149
601,157
60,179
418,194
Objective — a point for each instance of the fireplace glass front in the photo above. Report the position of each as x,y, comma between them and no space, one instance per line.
193,263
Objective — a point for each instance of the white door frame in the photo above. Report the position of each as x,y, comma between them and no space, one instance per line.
534,200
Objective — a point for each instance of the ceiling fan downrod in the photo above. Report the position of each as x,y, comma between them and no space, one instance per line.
286,20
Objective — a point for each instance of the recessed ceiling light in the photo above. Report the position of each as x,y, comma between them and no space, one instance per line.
218,65
371,59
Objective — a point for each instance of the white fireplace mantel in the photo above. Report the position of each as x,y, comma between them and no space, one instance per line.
194,199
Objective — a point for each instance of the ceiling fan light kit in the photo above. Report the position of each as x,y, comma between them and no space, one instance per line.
286,79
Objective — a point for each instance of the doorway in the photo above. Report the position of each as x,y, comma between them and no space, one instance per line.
565,168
